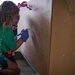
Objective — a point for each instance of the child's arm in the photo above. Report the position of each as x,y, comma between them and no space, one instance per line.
10,52
24,36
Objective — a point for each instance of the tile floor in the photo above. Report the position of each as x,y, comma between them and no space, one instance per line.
25,68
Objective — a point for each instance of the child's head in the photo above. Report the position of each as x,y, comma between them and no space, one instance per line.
9,13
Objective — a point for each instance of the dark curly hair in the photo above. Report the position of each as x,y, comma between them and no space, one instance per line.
7,10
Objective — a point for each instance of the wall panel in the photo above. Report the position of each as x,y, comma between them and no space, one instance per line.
37,48
62,60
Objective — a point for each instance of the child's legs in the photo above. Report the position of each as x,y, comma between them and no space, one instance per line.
12,69
12,59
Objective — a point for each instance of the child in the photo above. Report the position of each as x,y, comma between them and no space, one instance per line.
9,15
10,55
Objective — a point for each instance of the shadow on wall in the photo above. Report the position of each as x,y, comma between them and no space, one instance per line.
40,30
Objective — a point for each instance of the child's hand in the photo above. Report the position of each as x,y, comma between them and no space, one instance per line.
24,35
20,32
9,54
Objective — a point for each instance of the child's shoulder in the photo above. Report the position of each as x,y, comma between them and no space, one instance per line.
8,32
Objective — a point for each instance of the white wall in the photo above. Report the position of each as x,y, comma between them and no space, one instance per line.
37,47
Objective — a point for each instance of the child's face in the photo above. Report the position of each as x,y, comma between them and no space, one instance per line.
15,19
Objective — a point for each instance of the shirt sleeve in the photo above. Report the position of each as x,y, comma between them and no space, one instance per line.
9,40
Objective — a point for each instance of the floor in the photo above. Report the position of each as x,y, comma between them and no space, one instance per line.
23,65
